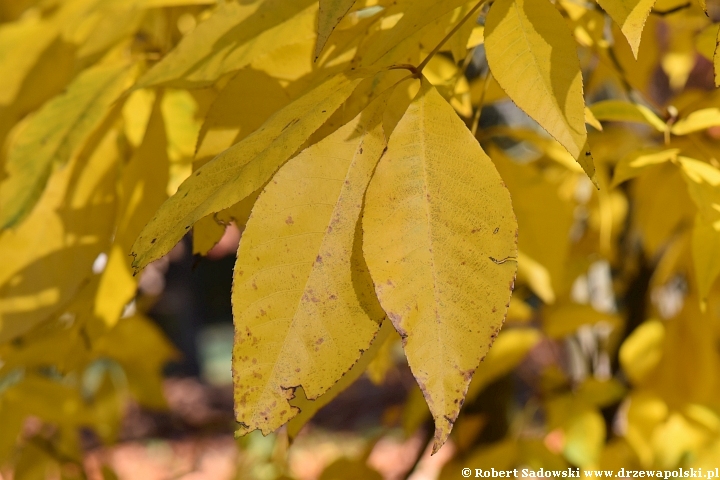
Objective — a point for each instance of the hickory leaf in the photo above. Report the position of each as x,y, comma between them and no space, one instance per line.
240,170
532,56
329,15
630,16
439,237
303,301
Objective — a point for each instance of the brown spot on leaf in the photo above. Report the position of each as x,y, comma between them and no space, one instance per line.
289,220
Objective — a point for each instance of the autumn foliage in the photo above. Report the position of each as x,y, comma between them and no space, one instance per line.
407,175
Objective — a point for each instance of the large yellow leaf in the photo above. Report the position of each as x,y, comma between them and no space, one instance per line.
54,134
236,34
46,259
329,15
630,15
532,56
303,301
240,170
440,242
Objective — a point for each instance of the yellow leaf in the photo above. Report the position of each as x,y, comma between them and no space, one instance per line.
303,303
477,36
658,217
583,428
54,134
591,120
697,120
544,219
533,57
438,228
230,39
242,106
705,248
329,15
619,111
308,408
641,352
510,348
564,319
241,170
47,258
536,276
703,182
630,166
141,192
630,16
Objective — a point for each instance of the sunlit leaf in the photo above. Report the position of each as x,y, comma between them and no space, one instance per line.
302,297
532,57
427,262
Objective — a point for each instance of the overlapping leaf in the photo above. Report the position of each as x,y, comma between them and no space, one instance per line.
303,302
240,170
440,241
54,134
532,56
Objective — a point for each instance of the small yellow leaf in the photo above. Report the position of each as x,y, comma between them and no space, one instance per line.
591,120
240,170
533,57
564,319
303,303
439,228
536,276
619,111
510,348
141,192
329,15
697,120
630,16
630,166
641,352
477,36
